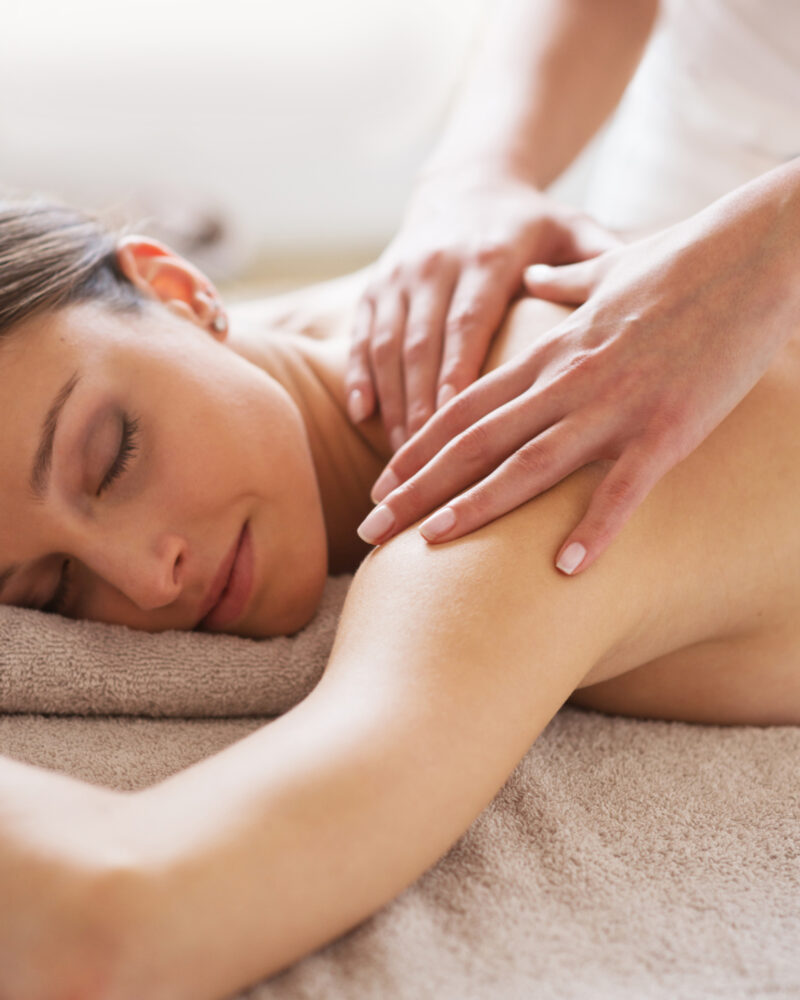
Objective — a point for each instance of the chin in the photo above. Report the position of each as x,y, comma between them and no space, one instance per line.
294,606
304,611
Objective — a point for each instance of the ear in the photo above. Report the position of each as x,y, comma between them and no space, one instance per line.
160,273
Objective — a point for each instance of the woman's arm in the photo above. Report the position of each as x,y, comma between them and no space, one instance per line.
61,870
447,665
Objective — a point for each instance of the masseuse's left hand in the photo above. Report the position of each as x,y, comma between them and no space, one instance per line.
675,329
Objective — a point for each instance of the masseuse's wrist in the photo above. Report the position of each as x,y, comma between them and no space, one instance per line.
513,166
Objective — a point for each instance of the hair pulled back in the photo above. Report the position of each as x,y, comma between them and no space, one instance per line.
52,256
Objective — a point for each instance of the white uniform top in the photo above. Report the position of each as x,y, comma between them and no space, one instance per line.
714,103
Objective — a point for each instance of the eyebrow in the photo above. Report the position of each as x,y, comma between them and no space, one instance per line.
40,474
39,481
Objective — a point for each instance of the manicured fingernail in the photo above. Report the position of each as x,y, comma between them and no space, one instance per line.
396,438
438,525
538,272
357,405
446,393
376,524
571,557
384,485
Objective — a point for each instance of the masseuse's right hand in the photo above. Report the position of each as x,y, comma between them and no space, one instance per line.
437,294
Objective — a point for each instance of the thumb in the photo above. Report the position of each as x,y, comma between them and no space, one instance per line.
571,284
586,238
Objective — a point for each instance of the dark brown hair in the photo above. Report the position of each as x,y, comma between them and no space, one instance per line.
52,256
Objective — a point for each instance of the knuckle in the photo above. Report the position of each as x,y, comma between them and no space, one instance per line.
394,274
463,322
585,361
360,342
431,264
576,365
492,255
667,420
620,491
410,497
480,505
472,447
370,295
415,348
419,413
384,345
461,410
530,461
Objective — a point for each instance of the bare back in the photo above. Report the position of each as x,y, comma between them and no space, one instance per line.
717,557
729,534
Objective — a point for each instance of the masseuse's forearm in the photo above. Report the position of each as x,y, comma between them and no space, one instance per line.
547,75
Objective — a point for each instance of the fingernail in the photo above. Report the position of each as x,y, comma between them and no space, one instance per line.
571,558
357,405
396,438
376,524
384,485
438,525
445,394
538,272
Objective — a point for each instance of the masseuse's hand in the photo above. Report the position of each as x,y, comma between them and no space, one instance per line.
677,328
439,291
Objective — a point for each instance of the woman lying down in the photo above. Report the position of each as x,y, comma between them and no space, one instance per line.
165,472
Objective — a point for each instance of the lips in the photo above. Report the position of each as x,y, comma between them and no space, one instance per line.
231,585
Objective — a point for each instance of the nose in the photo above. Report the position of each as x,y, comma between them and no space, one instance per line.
147,568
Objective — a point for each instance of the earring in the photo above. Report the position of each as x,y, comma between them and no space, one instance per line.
219,324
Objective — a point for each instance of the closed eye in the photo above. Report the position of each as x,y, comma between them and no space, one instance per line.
127,448
60,600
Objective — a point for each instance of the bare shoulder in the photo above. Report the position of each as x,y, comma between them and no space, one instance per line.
703,572
319,311
496,597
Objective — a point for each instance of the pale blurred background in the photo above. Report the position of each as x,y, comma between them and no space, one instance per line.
274,143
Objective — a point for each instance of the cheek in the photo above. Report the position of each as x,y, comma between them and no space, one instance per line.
295,554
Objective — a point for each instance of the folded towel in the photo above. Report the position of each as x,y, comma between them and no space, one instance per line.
58,666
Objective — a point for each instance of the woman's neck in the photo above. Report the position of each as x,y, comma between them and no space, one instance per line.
302,339
347,459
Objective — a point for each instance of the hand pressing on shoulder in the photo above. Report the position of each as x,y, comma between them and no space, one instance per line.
671,332
437,295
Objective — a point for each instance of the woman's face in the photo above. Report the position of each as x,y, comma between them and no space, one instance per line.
203,442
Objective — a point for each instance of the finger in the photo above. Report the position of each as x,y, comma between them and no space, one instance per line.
492,391
571,284
385,346
478,305
582,239
359,390
626,485
422,349
474,454
537,466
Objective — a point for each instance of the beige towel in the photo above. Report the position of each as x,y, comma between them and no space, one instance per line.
623,859
50,664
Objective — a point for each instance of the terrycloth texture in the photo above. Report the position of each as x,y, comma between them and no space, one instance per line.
623,859
50,664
